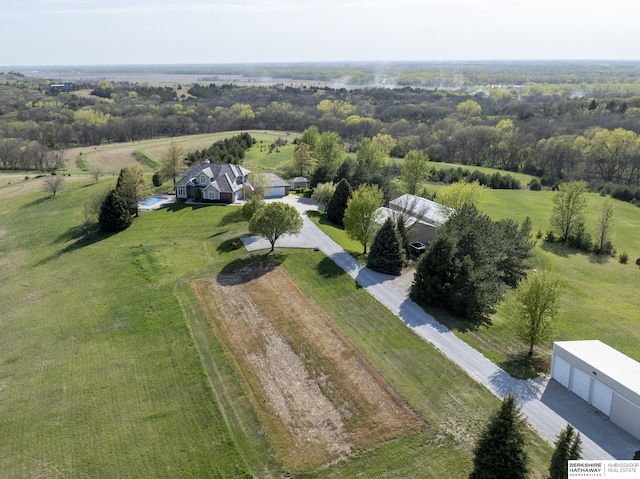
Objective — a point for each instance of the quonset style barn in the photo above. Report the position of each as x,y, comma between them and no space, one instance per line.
602,376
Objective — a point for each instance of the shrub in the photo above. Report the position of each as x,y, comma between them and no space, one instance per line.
539,234
550,236
624,258
535,185
157,179
637,262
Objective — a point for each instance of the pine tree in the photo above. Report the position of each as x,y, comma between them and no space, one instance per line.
500,450
386,255
114,214
338,203
401,226
568,448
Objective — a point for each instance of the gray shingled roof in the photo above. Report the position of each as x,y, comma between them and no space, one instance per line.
275,181
222,174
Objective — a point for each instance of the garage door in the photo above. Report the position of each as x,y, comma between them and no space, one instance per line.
601,397
274,192
561,370
580,384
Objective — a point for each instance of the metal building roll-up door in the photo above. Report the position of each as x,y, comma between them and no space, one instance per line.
625,414
581,384
601,397
561,371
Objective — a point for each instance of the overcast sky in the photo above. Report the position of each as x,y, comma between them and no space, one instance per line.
117,32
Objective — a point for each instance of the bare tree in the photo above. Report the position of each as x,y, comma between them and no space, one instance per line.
604,228
173,161
96,173
52,184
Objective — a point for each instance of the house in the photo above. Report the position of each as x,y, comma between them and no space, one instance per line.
212,183
299,182
423,218
275,186
603,377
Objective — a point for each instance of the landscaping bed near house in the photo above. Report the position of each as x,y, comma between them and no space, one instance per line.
318,398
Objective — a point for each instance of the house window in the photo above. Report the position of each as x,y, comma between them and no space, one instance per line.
213,195
203,179
182,191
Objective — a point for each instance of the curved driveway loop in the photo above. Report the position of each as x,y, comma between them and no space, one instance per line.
546,404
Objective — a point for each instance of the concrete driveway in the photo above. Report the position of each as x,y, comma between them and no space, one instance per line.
547,406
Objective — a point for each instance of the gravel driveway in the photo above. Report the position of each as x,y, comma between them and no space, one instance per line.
546,404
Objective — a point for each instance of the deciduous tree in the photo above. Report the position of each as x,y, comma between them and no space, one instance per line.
414,171
362,215
569,206
173,161
460,194
323,192
52,184
274,220
329,154
604,228
303,160
538,307
500,449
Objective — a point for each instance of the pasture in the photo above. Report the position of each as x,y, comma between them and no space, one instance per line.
111,368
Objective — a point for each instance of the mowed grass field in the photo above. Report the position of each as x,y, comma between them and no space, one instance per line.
109,367
110,158
601,299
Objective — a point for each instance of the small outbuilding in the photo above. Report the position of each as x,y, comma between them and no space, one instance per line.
602,376
299,182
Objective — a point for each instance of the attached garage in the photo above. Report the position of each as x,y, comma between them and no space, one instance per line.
602,376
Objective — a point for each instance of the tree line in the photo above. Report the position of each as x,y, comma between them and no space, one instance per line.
586,134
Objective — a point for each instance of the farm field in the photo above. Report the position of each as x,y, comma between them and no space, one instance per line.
111,368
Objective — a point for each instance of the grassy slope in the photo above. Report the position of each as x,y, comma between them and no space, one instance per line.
111,157
101,376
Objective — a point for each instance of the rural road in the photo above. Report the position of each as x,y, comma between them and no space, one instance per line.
547,405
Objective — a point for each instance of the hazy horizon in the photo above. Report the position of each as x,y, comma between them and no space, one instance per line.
162,32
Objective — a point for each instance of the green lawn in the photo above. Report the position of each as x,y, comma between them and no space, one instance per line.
110,369
601,299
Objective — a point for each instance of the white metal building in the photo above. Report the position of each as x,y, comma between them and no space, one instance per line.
602,376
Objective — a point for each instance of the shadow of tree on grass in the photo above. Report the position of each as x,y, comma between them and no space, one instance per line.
328,269
82,240
523,366
247,268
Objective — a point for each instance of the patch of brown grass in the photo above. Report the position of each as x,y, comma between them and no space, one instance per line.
318,398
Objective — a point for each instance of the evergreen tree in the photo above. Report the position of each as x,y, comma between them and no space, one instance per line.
114,214
338,203
466,268
568,448
500,450
386,255
459,271
401,226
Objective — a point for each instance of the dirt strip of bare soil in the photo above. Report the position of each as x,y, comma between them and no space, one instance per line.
318,399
